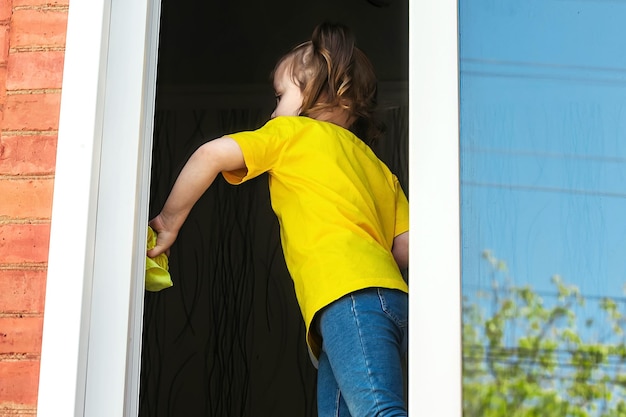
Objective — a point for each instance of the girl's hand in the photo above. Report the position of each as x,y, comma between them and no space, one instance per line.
400,250
165,237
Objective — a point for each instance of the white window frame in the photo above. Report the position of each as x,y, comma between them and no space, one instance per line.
435,271
90,358
91,348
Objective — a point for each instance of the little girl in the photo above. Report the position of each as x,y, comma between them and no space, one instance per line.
343,219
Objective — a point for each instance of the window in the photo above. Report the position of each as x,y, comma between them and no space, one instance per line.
91,349
542,196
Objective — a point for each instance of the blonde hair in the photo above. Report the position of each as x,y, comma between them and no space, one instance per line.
335,76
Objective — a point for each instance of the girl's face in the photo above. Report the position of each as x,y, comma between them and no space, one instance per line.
288,95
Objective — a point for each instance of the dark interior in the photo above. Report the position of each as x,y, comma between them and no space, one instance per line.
228,338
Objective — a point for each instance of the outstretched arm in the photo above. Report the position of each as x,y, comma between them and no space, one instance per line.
223,154
400,250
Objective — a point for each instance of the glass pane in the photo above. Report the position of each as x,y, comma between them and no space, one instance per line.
543,168
228,338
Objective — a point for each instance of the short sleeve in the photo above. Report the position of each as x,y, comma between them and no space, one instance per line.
261,148
402,210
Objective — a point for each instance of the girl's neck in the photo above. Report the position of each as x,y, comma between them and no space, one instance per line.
338,116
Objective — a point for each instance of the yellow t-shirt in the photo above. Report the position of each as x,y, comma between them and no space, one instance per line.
339,209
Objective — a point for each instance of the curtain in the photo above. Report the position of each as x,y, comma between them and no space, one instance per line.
228,338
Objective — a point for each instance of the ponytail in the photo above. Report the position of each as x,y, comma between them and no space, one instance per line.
334,74
335,44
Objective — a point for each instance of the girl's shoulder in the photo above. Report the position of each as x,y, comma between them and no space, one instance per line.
293,121
299,127
302,125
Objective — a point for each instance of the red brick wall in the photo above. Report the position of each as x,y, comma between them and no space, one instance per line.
32,44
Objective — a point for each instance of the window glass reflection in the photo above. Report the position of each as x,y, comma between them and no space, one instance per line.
543,202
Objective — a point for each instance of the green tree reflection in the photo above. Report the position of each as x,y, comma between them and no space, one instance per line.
523,356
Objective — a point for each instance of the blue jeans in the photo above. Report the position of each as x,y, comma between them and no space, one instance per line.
364,338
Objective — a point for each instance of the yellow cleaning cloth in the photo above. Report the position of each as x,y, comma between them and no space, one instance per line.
157,275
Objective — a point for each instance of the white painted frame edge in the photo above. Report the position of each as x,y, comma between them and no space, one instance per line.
435,275
63,366
91,344
80,237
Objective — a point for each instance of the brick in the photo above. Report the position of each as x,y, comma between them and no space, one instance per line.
28,154
18,381
20,243
22,290
3,92
26,198
41,3
32,112
38,27
4,43
21,335
35,70
6,7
